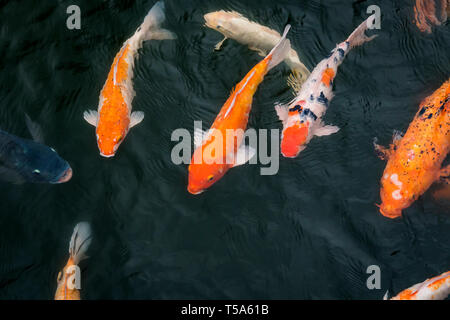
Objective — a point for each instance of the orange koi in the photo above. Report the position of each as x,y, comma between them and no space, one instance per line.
114,118
213,157
67,279
437,288
415,160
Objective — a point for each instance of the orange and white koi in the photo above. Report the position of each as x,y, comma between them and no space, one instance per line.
79,243
430,12
437,288
302,118
415,160
114,118
213,157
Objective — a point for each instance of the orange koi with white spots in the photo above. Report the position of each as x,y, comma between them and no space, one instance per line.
437,288
302,118
213,156
67,278
114,118
415,160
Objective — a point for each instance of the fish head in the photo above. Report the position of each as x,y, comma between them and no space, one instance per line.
38,163
110,136
220,21
393,196
203,174
294,139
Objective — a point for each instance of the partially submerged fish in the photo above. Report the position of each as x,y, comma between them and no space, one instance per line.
430,12
437,288
302,118
415,160
69,277
114,118
259,38
23,160
213,156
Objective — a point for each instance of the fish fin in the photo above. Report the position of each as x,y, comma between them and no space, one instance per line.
9,175
282,112
91,117
295,81
444,174
35,130
163,34
261,52
397,136
280,51
325,130
151,27
199,136
80,241
136,118
243,155
386,295
219,45
382,152
358,37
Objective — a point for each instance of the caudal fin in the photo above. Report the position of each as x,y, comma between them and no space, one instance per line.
80,241
280,51
358,37
151,27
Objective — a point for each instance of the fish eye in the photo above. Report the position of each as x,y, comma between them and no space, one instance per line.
36,171
211,178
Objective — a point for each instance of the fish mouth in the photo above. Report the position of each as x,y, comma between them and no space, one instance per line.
390,214
107,155
194,192
66,176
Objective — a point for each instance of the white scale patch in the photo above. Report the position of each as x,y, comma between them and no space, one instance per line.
396,194
237,93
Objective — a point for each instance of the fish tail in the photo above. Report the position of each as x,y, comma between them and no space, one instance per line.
280,51
80,241
151,27
358,37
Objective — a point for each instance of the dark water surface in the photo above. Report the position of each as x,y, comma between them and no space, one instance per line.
309,232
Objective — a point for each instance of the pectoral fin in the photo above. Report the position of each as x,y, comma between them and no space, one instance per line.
200,136
325,130
35,130
91,117
243,155
136,118
444,174
220,44
9,175
382,152
282,112
261,52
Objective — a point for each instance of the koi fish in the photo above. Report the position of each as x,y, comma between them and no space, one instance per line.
114,118
415,160
426,14
302,118
23,160
213,157
68,288
437,288
258,38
